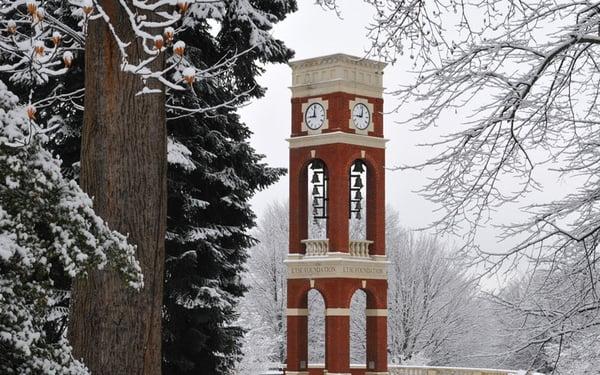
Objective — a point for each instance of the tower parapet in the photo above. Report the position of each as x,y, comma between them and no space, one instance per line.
337,73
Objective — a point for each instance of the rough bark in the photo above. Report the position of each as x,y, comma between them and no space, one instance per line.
114,329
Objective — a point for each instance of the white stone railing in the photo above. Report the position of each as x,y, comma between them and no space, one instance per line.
316,247
360,248
320,247
428,370
418,370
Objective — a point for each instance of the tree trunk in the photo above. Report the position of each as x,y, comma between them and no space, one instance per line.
114,329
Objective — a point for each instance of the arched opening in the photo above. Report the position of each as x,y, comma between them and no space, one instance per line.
358,328
359,204
357,213
316,328
318,201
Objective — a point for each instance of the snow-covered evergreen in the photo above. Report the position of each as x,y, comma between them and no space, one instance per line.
209,189
48,230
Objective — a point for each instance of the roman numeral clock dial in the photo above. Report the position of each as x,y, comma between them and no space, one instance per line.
314,117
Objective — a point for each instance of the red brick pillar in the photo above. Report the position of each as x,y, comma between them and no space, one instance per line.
297,327
337,294
376,202
298,203
297,343
377,327
337,225
376,336
337,352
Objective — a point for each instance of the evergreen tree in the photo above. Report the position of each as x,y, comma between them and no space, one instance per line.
213,172
48,232
64,142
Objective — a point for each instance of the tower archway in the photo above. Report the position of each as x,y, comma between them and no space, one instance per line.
316,328
318,199
357,180
358,328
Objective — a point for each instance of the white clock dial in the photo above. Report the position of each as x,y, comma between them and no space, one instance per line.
361,116
314,117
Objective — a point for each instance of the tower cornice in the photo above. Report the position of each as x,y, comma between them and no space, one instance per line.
335,59
337,72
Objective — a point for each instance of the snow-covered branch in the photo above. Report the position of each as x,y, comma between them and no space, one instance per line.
41,41
521,80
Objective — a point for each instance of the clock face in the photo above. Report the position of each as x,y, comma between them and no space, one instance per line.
314,117
361,116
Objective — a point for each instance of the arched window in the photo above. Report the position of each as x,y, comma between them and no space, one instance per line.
358,328
357,201
317,199
316,327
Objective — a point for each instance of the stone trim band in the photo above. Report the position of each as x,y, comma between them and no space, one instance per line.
337,137
336,311
297,312
377,312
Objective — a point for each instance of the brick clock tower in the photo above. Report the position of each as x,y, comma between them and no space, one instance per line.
337,181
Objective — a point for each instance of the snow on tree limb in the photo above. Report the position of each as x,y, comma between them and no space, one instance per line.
38,45
47,228
524,75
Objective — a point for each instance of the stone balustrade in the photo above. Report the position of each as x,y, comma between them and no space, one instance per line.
360,248
320,247
425,370
319,369
316,247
